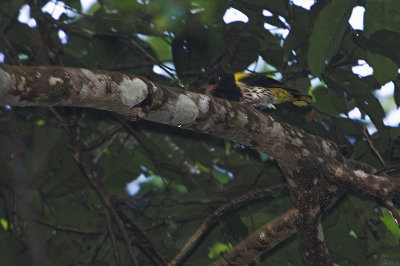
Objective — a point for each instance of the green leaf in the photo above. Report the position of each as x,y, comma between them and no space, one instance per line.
381,14
93,9
348,126
389,257
279,7
13,250
384,42
161,47
300,30
4,223
389,42
189,50
40,122
385,69
343,80
202,168
341,242
156,181
242,48
217,249
76,4
223,178
327,33
9,7
387,219
143,158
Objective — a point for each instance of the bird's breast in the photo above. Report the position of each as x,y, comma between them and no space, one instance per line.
258,97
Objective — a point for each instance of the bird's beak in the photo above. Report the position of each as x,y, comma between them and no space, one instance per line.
210,89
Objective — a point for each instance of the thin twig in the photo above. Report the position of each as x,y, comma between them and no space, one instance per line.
141,239
10,47
371,145
48,45
388,169
93,178
211,219
68,228
103,137
118,35
112,238
59,118
176,201
97,249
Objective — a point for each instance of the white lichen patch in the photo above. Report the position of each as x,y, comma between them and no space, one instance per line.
230,114
53,81
163,116
389,203
360,174
83,93
21,84
154,87
133,91
386,191
297,142
5,82
320,159
276,129
381,178
262,236
94,81
320,234
5,89
328,149
339,172
291,182
203,104
325,147
68,102
305,152
206,125
332,189
186,111
242,118
253,126
89,74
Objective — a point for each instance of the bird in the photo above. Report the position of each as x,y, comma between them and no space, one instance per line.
257,90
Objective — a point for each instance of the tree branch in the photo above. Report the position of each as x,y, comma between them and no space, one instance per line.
210,220
274,232
136,97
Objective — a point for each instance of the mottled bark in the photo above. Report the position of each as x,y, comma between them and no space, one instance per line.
306,160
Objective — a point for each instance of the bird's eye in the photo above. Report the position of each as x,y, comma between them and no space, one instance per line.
215,80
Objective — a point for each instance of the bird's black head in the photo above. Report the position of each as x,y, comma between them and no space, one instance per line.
223,85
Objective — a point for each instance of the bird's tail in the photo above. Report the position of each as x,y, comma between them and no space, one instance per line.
285,94
302,99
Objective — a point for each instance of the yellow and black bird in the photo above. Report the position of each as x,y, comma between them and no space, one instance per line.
254,89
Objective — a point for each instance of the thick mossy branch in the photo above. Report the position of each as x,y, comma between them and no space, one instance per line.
136,97
312,165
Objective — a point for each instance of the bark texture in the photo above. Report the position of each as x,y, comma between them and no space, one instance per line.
313,166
